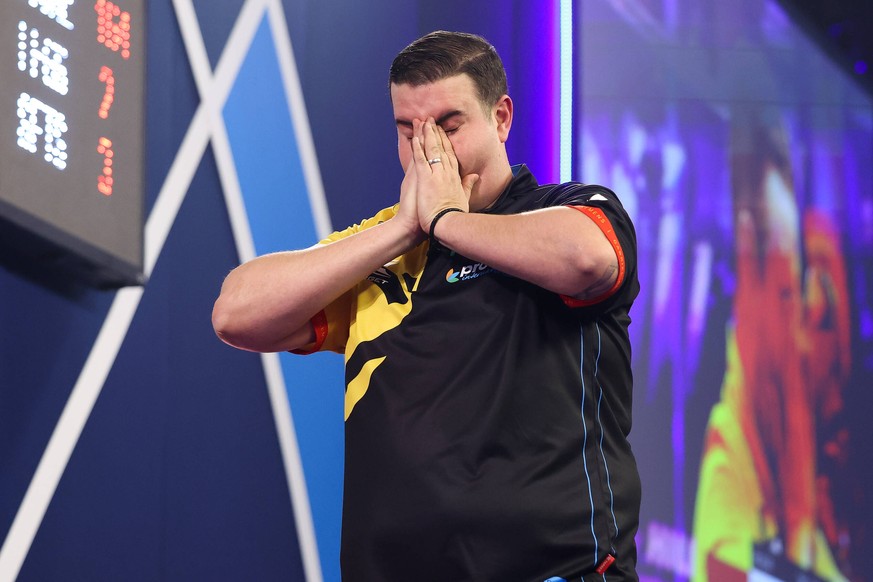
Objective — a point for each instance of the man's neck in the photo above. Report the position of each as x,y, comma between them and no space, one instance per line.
489,188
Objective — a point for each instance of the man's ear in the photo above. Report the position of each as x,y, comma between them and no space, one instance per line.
503,117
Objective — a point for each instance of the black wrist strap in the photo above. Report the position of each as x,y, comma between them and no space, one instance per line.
434,243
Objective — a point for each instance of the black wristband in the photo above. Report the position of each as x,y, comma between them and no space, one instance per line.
434,243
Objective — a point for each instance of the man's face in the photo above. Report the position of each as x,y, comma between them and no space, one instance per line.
477,136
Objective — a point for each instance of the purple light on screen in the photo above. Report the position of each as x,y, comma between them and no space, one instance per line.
860,67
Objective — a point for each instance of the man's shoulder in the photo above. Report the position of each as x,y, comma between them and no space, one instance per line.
575,193
382,216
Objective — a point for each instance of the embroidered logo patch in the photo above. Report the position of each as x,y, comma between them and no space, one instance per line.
468,272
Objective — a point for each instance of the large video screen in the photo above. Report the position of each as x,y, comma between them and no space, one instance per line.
745,157
71,135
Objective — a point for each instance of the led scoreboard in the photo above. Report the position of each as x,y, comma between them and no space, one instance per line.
71,137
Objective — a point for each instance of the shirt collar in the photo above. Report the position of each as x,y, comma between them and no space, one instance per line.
522,183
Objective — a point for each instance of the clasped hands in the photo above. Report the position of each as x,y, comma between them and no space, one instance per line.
433,181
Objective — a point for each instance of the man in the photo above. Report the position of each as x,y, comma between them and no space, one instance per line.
484,324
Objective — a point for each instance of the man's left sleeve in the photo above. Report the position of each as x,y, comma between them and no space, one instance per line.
603,207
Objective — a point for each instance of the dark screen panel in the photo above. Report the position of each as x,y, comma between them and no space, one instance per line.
71,135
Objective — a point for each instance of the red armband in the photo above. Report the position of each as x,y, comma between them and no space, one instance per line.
599,218
319,326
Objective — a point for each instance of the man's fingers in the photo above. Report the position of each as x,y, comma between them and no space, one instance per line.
417,142
418,157
432,143
467,182
449,151
423,151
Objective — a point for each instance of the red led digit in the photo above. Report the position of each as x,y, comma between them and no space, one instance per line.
113,27
104,181
108,79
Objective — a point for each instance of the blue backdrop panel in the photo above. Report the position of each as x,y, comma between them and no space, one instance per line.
171,95
178,480
38,323
215,25
270,172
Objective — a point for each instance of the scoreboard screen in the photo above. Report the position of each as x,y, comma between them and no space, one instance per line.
71,137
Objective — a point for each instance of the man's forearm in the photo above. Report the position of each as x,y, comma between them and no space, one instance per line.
559,249
266,304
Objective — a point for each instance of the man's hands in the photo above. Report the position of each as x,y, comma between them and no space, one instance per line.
407,212
429,187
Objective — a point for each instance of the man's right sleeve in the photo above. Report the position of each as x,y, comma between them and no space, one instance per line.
331,324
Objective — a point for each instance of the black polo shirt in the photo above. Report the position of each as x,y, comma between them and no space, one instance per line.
486,417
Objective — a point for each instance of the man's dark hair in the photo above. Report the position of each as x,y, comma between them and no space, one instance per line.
443,54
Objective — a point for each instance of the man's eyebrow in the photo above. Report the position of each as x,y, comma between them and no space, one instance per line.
443,118
446,116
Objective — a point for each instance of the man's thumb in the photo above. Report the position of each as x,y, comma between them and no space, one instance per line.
468,182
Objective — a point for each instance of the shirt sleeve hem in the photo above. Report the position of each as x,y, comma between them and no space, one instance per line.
319,325
600,219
